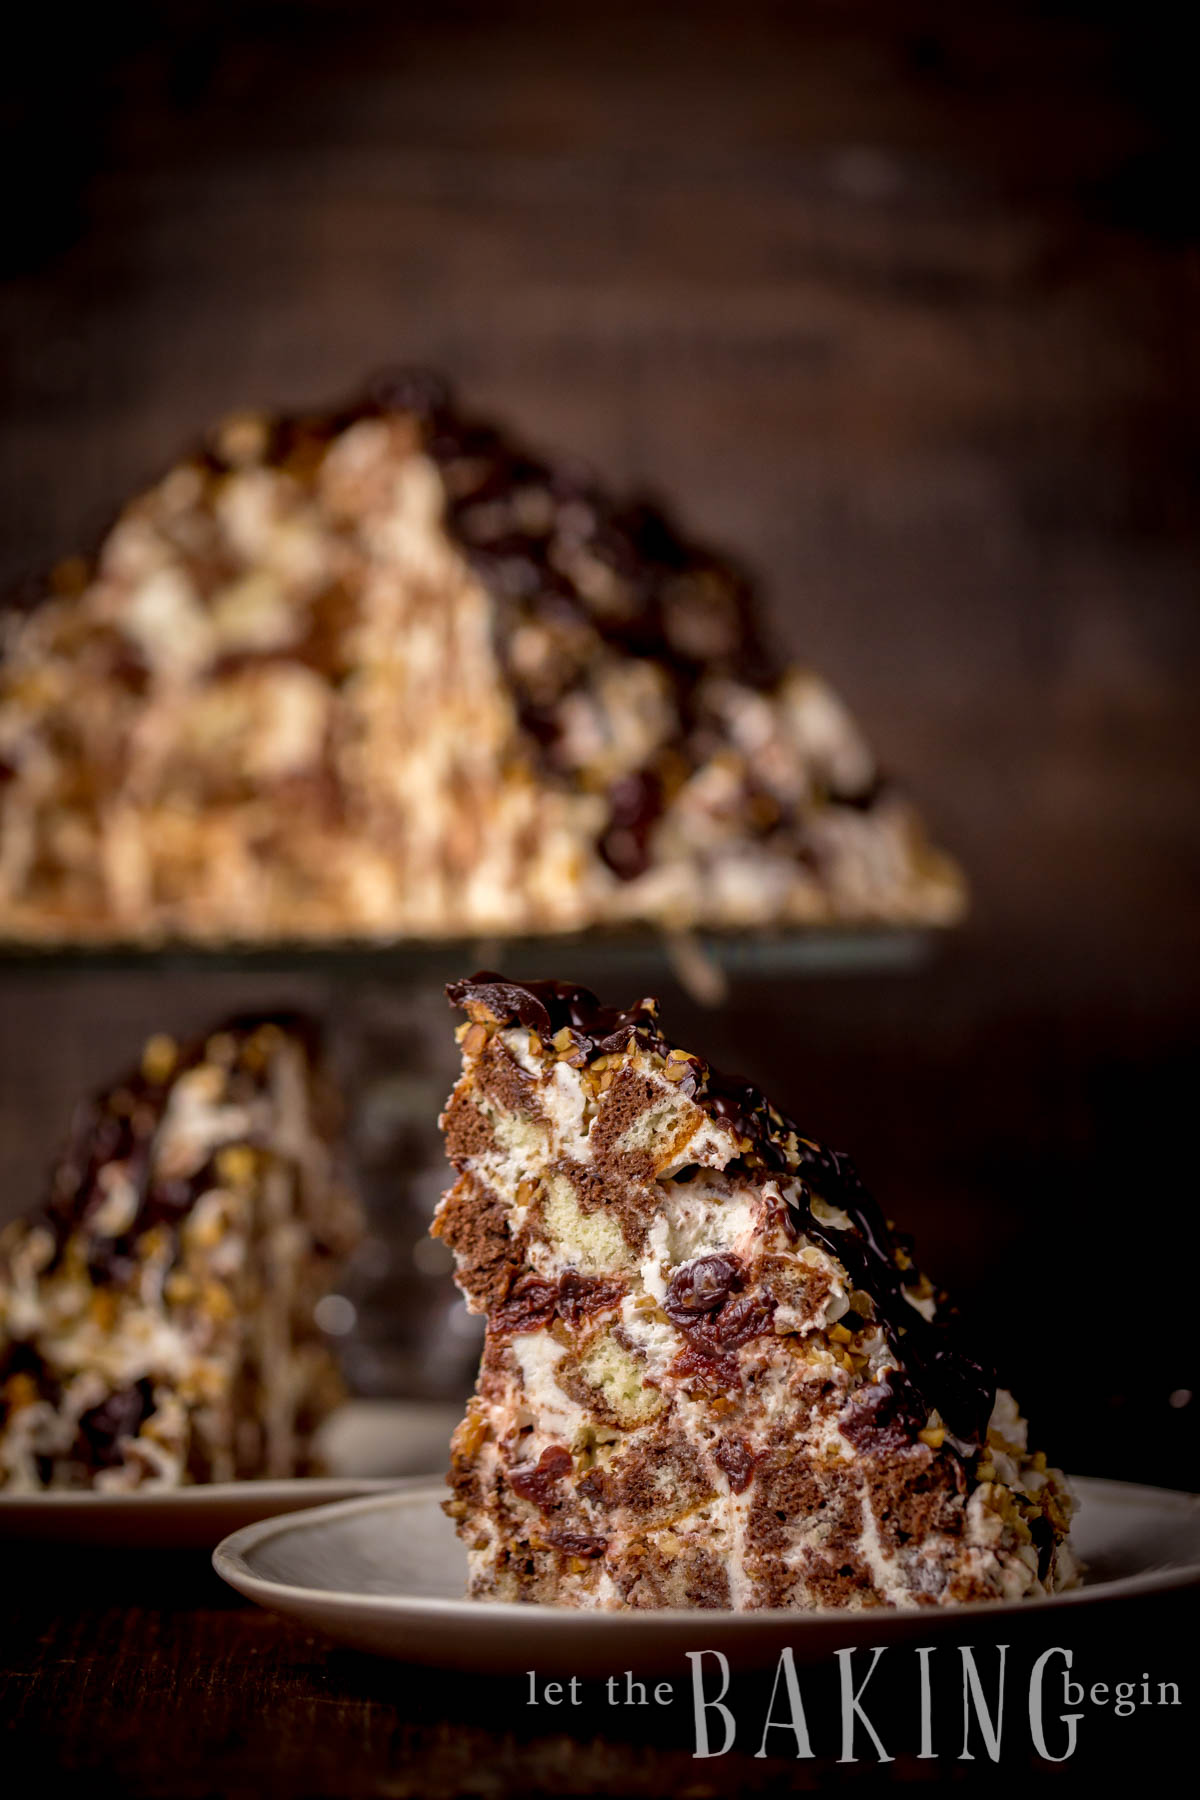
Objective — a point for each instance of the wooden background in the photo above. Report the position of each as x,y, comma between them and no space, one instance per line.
897,301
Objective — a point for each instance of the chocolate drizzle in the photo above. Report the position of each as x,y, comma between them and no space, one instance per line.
548,1007
937,1370
557,552
591,574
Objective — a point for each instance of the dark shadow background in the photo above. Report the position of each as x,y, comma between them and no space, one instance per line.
900,303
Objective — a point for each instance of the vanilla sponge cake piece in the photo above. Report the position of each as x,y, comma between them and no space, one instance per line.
713,1375
380,672
157,1315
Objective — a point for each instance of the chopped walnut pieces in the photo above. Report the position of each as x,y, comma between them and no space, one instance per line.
159,1058
235,1165
222,1049
469,1436
102,1309
18,1391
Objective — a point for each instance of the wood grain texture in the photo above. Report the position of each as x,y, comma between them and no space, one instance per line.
146,1677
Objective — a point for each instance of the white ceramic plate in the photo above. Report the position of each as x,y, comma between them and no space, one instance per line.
367,1445
387,1574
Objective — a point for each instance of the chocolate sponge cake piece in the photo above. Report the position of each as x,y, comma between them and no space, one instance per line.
379,672
712,1375
157,1315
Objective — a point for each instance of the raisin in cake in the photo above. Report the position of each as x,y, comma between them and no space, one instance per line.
712,1374
156,1318
379,673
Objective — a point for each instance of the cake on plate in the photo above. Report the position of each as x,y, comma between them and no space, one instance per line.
157,1315
380,672
713,1375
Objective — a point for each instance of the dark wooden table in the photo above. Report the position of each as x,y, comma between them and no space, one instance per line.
146,1675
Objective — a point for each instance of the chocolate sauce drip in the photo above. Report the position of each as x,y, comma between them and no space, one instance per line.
939,1369
548,1007
554,550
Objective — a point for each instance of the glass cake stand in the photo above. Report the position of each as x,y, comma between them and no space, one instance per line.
77,1013
822,950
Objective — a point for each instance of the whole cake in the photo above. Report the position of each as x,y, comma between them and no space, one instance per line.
713,1375
378,673
156,1318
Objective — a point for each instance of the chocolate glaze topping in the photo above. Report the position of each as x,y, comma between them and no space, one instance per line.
553,549
935,1367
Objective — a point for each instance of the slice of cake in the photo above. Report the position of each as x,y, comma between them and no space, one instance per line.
713,1375
157,1317
379,672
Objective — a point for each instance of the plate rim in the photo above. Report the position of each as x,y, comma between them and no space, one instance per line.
195,1495
229,1562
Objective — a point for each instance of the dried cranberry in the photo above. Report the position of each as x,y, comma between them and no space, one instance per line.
735,1456
529,1304
703,1366
537,1484
581,1295
745,1317
532,1302
885,1416
575,1543
702,1287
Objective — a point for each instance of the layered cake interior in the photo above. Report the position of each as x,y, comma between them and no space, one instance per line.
157,1315
713,1375
380,672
